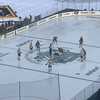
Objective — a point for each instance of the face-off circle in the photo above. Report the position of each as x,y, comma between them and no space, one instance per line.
59,55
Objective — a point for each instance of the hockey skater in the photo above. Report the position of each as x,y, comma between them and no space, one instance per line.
81,42
49,65
54,41
31,47
37,45
50,50
83,55
19,54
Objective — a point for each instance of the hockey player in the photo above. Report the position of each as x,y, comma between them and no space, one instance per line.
54,41
81,42
19,53
31,47
50,50
83,54
37,45
49,65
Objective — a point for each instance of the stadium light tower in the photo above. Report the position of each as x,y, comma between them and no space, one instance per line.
74,1
57,6
96,5
62,4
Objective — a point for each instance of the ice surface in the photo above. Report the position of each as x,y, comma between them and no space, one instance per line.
68,30
33,7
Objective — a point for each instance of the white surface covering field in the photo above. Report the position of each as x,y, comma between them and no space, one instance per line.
45,7
68,30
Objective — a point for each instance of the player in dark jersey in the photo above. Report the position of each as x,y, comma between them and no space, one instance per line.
81,42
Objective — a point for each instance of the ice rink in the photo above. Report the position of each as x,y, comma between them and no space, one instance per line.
74,74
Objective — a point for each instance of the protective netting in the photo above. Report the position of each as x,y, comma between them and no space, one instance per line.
47,89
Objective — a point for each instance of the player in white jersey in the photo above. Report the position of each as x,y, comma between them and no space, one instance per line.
55,41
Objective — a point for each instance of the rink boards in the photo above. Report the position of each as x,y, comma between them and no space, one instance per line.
56,16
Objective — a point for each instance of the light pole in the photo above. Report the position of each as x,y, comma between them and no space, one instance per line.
74,4
96,5
89,6
62,4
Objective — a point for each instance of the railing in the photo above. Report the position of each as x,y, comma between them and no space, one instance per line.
36,90
87,92
49,18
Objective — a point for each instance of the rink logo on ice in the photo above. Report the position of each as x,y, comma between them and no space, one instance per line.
57,57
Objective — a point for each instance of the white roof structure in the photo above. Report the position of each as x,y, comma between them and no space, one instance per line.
7,13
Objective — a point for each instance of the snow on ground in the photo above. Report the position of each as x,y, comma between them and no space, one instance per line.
45,7
33,7
68,30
